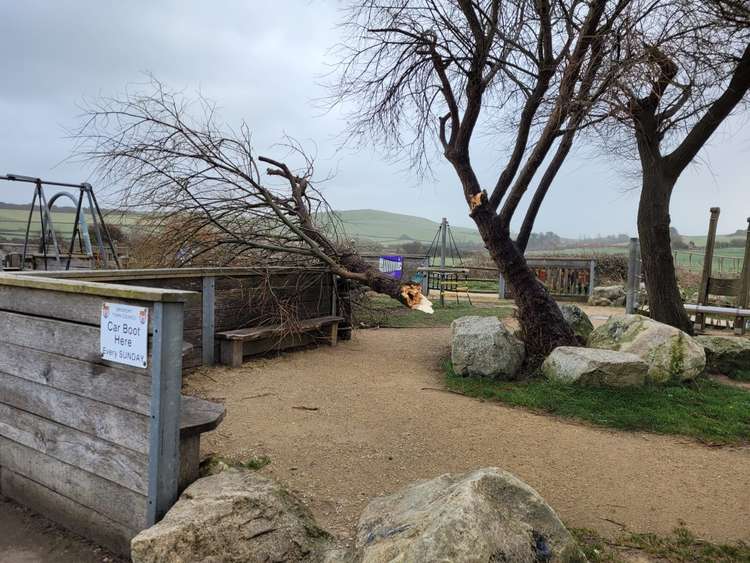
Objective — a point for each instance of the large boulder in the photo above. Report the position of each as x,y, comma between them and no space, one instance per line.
594,367
670,353
483,347
729,355
578,321
607,295
484,515
233,516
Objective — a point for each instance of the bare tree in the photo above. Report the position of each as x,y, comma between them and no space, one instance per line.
430,73
205,193
682,68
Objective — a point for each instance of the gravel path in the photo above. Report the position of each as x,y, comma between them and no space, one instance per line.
342,425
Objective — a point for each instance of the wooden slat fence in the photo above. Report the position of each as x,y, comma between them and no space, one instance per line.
88,443
228,298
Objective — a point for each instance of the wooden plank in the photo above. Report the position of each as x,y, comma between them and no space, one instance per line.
190,458
76,517
79,308
59,337
257,333
116,463
115,501
121,388
76,286
108,422
724,287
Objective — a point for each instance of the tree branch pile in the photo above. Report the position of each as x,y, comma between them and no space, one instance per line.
207,197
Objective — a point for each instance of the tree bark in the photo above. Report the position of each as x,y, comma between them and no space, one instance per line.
410,294
543,327
665,302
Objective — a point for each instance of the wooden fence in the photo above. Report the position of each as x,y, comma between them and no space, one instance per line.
565,278
100,447
230,298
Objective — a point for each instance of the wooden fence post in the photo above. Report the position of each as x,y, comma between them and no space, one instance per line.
744,298
708,259
630,292
208,325
164,424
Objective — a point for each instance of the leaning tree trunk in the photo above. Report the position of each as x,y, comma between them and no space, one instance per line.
664,300
543,327
410,294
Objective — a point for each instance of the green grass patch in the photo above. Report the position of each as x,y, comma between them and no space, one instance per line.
379,310
740,375
681,546
216,464
704,410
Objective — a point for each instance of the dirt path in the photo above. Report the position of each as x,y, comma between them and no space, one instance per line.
27,537
379,424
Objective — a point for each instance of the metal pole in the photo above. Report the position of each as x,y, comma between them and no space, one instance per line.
90,190
28,228
164,427
76,229
443,239
630,293
97,231
49,225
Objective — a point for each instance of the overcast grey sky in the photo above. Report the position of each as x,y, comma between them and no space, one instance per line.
263,62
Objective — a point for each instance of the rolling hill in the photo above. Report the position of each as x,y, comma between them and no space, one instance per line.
394,228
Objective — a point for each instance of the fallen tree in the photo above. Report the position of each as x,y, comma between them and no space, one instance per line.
205,196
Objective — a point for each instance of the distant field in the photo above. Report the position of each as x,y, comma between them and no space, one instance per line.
726,260
391,229
13,222
394,228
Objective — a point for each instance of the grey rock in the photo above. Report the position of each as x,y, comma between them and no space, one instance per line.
611,292
578,321
484,515
233,516
670,353
594,367
728,355
483,347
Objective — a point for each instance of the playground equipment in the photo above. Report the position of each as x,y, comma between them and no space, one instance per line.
437,274
49,246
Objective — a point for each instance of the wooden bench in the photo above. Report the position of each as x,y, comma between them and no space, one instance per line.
235,344
738,288
196,417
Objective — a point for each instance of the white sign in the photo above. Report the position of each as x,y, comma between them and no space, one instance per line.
124,334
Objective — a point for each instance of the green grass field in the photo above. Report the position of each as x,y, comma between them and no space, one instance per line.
381,311
726,260
13,222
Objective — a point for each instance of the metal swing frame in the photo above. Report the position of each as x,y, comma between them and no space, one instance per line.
48,237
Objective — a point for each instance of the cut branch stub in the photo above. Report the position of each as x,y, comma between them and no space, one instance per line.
411,296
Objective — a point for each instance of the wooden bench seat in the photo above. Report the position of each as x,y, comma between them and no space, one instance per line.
232,342
196,416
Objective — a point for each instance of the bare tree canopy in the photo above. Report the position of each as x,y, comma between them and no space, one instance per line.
205,192
426,74
682,68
